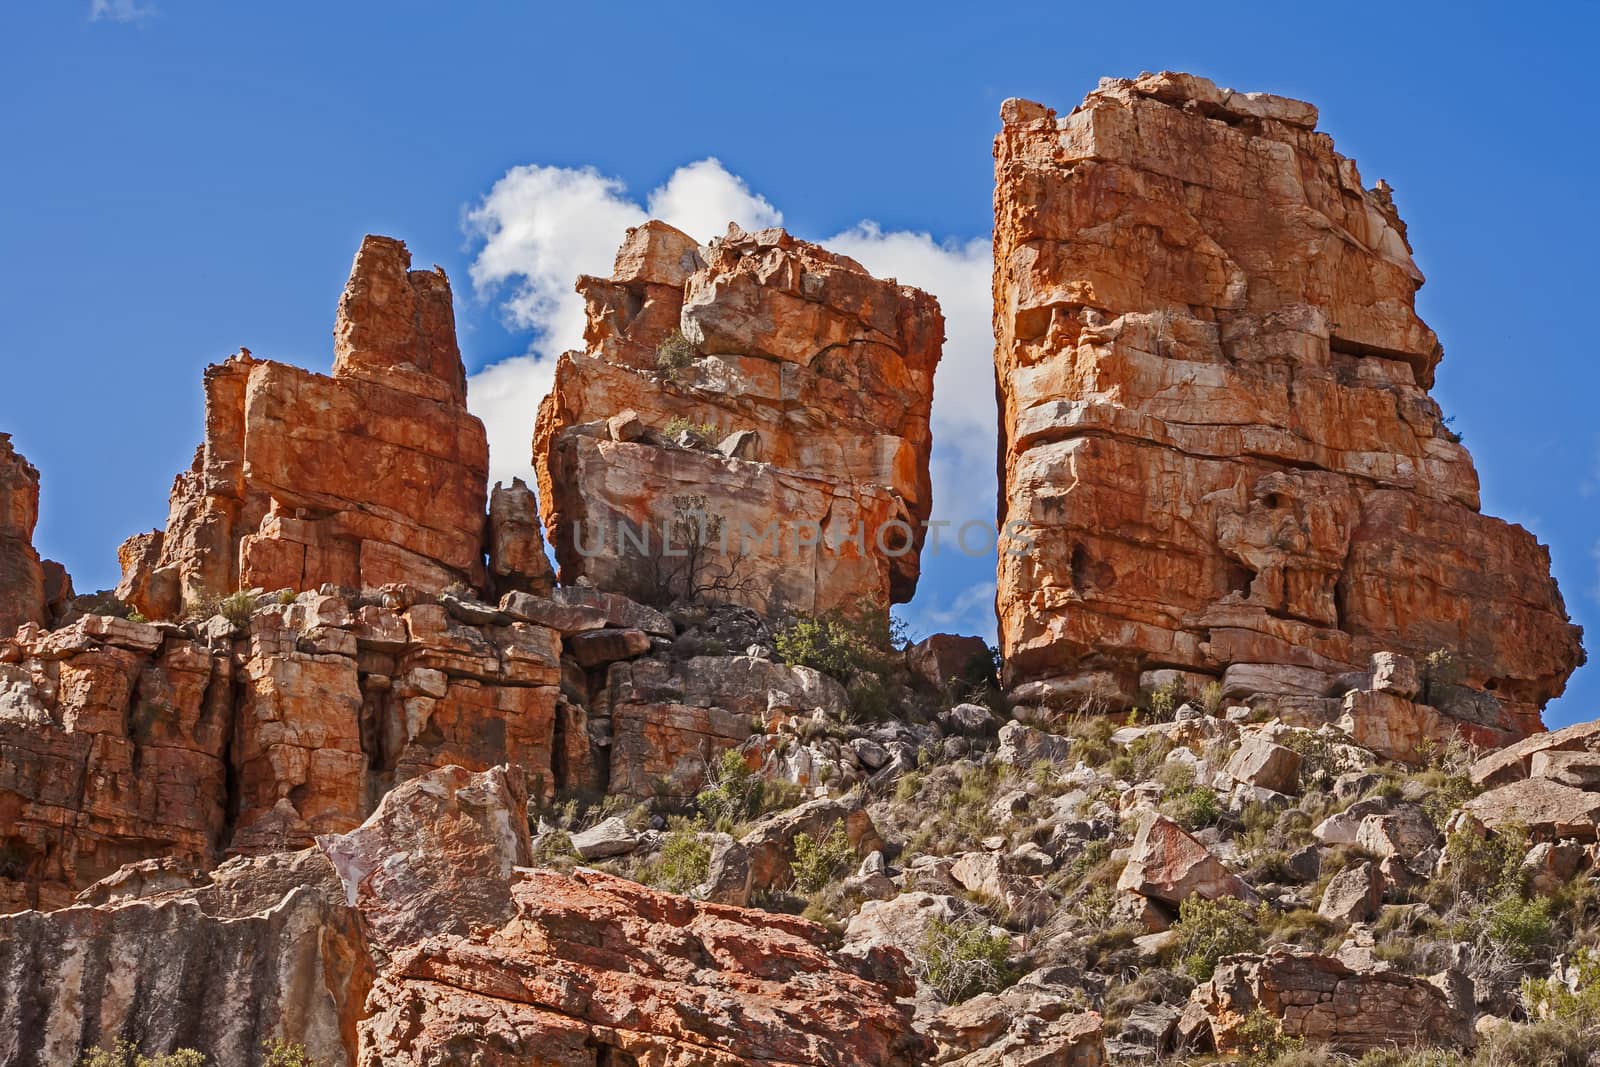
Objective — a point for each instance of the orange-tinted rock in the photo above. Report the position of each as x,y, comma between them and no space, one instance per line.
760,378
515,542
124,741
373,476
22,594
1216,424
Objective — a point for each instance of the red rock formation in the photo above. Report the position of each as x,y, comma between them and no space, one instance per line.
1216,423
422,937
124,741
376,475
759,378
22,593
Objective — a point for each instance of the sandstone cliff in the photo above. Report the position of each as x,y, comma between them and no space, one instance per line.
375,475
1216,422
22,594
758,384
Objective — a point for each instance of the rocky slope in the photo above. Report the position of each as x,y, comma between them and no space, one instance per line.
1215,414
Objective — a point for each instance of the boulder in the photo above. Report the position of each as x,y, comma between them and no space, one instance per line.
1260,762
515,542
1022,745
1304,505
944,661
1516,760
607,838
1547,809
1166,864
1354,895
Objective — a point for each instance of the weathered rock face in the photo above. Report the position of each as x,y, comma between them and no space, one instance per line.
422,937
376,475
262,949
1325,1002
123,741
758,379
1216,424
664,723
22,593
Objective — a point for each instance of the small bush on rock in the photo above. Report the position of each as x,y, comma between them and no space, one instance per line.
819,863
682,864
674,353
1211,929
127,1054
962,959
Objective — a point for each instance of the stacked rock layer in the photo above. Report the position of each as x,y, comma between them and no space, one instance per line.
1216,425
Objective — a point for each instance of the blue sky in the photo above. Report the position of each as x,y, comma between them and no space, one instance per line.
186,176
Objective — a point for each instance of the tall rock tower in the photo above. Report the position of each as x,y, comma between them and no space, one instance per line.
1216,423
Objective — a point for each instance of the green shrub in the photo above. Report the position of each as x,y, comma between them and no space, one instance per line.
862,648
1141,759
1262,1042
237,607
682,864
283,1054
674,353
553,849
733,792
1187,803
1211,929
1427,1057
1548,1043
1164,701
1211,699
1523,928
1550,998
127,1054
962,959
818,863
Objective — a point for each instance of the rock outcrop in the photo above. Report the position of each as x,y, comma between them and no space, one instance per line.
424,937
123,741
1216,425
22,591
1323,1001
749,421
374,476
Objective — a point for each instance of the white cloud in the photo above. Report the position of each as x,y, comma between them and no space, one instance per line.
541,227
702,198
118,11
506,396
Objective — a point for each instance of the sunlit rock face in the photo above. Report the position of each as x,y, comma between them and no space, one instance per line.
22,586
758,385
375,475
1216,422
